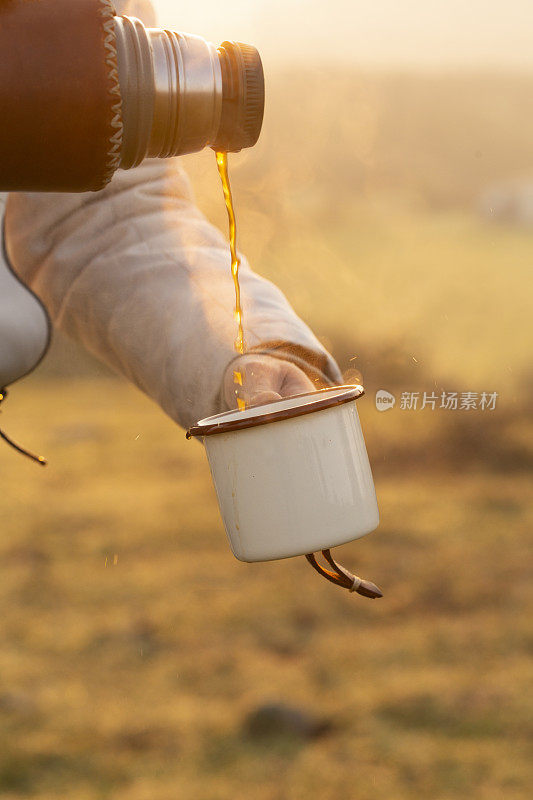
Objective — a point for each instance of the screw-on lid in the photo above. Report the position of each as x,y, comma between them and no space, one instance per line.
243,97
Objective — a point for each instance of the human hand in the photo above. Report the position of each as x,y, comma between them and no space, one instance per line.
262,380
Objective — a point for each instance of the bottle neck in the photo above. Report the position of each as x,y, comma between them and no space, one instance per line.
171,86
181,94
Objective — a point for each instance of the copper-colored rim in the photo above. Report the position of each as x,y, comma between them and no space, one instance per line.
350,394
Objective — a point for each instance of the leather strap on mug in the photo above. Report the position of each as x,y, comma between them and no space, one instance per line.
341,577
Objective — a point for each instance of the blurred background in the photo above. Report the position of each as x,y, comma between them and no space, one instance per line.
391,198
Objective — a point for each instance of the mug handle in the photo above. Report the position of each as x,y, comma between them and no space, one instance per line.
343,578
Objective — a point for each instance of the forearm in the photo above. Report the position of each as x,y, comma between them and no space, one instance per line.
142,280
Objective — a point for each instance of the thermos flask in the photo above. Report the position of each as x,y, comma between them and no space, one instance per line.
84,92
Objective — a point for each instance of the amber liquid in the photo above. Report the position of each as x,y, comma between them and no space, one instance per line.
240,345
222,164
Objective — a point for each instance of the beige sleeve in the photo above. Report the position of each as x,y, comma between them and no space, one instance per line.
139,277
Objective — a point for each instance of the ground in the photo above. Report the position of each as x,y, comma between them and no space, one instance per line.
134,646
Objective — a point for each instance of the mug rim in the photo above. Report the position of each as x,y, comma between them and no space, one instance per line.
211,426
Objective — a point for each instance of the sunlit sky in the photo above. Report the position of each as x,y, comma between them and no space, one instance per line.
435,33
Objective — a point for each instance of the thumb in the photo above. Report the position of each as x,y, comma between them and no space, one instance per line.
253,379
264,396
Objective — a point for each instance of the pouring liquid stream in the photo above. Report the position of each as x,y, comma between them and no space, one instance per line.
240,345
340,576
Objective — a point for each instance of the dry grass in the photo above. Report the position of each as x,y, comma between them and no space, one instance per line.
132,679
134,645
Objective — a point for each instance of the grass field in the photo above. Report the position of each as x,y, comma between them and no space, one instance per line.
134,647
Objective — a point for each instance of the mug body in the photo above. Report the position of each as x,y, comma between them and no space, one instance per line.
293,476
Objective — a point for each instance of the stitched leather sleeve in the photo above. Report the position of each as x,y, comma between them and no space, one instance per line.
59,95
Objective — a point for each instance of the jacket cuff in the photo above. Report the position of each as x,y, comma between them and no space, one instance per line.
319,366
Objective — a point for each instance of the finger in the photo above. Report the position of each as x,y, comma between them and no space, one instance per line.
251,380
261,398
250,377
266,383
256,377
295,381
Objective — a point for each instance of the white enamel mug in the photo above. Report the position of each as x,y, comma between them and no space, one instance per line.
292,477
